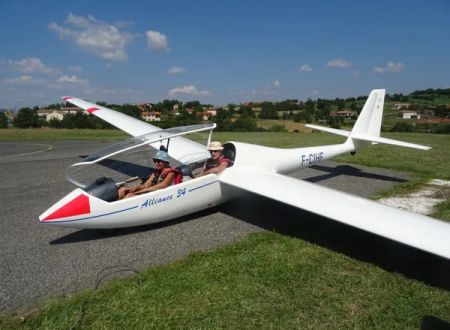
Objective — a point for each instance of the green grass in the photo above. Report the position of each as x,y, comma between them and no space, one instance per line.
267,280
17,134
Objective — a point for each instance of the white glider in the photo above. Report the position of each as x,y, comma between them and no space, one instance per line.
257,169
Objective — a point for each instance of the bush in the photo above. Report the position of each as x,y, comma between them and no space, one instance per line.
278,128
402,126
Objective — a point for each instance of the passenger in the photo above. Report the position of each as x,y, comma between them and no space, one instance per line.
163,177
217,163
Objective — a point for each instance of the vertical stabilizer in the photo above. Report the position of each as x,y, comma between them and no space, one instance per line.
369,121
368,125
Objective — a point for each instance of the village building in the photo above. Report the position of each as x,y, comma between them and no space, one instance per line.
410,114
151,115
345,114
58,114
399,106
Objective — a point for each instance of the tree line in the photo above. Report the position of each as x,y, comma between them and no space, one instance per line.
233,117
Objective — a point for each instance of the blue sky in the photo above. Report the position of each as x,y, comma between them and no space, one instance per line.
219,52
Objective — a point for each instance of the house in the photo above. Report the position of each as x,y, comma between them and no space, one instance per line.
399,106
9,114
151,115
410,114
144,106
50,114
207,113
346,114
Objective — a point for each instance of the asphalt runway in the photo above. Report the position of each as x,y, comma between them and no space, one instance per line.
42,261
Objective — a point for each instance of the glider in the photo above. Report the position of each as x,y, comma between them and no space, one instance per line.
256,169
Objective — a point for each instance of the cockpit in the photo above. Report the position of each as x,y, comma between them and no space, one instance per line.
131,161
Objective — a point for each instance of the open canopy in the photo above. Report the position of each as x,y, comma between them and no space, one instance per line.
155,139
133,157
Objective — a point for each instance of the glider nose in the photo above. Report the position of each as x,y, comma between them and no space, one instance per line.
75,203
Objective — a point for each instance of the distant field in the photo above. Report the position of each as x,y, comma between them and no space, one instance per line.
289,124
18,134
267,280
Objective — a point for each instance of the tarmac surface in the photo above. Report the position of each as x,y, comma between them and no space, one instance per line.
38,262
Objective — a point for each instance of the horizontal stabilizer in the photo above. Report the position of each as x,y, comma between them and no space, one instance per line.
378,139
330,130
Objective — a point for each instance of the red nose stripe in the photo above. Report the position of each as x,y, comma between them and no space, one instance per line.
67,98
91,110
78,205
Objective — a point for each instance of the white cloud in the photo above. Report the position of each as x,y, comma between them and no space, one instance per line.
191,90
176,70
378,69
26,65
97,37
395,67
339,63
71,80
276,84
305,68
26,79
75,68
157,41
390,67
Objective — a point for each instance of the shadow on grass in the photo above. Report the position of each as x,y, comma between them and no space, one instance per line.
430,322
355,243
348,170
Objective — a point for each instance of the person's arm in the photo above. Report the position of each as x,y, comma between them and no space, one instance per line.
202,171
217,169
163,184
144,185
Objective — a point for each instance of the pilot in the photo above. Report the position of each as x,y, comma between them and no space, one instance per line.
163,177
217,163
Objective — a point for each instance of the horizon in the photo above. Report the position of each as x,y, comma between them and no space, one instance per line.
43,107
219,53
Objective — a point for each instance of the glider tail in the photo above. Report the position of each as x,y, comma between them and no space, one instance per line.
368,125
366,130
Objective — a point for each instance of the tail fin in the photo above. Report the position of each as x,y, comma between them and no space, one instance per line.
368,125
369,121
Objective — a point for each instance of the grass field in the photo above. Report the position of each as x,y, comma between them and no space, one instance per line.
290,125
270,280
18,134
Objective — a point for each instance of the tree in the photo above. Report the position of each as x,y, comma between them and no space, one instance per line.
340,103
54,123
26,118
309,106
3,120
402,126
244,124
268,111
303,116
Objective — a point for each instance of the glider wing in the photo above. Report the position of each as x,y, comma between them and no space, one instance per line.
178,146
130,125
409,228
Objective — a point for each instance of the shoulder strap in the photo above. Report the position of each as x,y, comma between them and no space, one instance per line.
223,159
178,176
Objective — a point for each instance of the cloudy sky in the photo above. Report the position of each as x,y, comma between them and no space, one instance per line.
219,52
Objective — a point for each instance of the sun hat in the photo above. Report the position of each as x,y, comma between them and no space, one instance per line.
215,145
162,155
